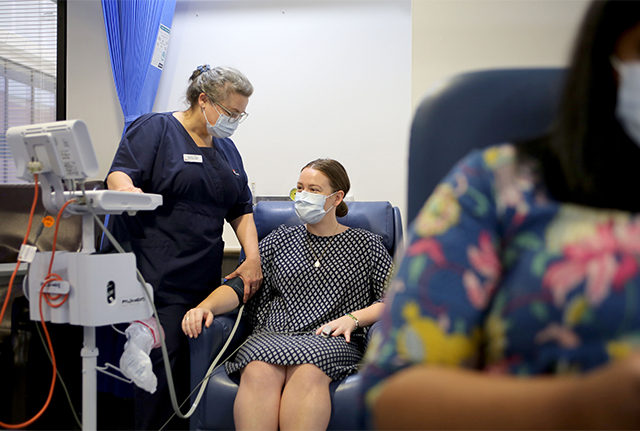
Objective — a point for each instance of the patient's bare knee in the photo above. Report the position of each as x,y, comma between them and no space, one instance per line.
262,375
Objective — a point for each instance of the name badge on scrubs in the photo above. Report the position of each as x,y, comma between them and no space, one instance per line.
192,158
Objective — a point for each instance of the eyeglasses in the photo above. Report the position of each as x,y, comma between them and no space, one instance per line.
233,116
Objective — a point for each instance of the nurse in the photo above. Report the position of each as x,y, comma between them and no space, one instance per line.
188,158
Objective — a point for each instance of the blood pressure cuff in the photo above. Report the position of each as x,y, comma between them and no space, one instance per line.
238,286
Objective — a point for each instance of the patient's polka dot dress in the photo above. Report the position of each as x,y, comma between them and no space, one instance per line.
298,297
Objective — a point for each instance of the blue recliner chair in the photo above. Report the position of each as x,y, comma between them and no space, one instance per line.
215,411
474,110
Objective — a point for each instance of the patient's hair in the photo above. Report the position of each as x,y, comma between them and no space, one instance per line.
217,84
338,179
587,158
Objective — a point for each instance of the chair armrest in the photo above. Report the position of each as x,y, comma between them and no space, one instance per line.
347,408
207,346
398,243
377,326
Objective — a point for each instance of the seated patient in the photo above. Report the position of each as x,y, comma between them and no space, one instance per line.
322,275
517,303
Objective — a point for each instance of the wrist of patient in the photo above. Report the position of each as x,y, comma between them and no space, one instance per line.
355,320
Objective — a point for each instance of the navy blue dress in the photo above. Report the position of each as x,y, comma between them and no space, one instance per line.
178,246
296,298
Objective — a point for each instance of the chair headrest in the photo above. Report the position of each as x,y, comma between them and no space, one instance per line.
474,110
376,217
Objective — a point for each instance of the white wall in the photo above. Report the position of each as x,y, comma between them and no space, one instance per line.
91,93
453,36
331,78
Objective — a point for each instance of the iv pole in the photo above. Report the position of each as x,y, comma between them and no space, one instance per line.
62,151
89,350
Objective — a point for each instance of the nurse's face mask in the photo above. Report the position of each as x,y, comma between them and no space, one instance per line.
628,105
310,206
223,128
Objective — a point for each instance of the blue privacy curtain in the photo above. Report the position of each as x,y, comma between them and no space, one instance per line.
137,35
133,28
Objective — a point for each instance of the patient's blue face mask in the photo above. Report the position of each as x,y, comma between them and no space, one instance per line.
223,127
628,106
310,206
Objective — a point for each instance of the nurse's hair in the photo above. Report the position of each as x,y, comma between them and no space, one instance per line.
217,83
338,179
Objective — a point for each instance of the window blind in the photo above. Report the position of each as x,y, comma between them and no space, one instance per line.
28,59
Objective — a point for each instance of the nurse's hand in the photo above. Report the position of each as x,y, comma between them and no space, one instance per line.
192,321
121,182
130,189
251,273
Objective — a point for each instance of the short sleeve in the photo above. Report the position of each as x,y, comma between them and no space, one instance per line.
445,281
244,202
257,306
381,268
138,148
244,205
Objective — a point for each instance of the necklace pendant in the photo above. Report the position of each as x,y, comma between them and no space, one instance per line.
317,264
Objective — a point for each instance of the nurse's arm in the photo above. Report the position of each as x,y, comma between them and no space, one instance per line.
221,300
250,271
121,182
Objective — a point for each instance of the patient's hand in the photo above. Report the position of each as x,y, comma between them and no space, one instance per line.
341,326
192,321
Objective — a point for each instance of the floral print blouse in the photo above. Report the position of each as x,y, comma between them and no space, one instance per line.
498,276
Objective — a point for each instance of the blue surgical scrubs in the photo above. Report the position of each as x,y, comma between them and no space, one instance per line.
178,246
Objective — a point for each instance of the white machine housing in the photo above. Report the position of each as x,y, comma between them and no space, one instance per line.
63,147
102,289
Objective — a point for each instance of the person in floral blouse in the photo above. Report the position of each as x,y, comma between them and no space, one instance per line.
517,302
